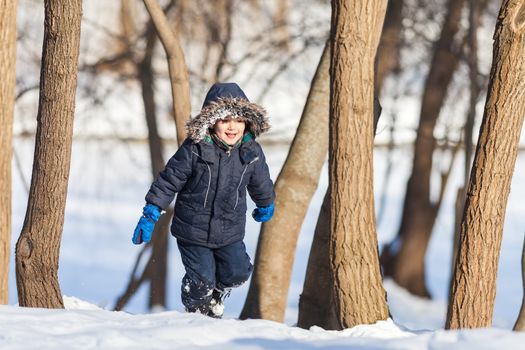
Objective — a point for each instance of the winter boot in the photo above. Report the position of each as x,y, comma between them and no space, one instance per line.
202,309
216,305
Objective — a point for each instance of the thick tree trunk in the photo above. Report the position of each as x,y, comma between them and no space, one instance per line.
404,260
520,322
38,247
316,303
474,281
7,102
295,186
359,294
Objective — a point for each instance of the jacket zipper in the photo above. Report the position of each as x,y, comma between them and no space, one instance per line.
242,176
209,178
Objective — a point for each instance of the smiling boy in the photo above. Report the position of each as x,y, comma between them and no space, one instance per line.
211,172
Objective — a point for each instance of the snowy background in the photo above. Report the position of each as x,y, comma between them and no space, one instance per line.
108,181
107,185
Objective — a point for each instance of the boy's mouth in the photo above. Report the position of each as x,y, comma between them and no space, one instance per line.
231,135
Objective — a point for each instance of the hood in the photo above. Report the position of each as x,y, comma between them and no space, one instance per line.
223,100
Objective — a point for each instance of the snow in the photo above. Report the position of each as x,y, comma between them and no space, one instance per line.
107,185
85,326
106,194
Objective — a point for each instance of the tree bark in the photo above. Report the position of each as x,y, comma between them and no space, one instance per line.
404,259
7,102
358,290
295,186
389,47
155,270
178,71
474,281
316,303
468,129
38,247
520,322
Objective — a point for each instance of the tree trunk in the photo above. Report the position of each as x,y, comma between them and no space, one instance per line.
474,281
295,186
316,303
38,247
520,322
404,259
178,71
390,44
7,102
358,290
280,23
155,270
468,129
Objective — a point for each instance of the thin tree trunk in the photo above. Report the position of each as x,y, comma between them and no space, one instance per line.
405,260
178,71
358,290
468,129
280,23
7,102
155,270
389,47
38,247
474,281
520,322
295,186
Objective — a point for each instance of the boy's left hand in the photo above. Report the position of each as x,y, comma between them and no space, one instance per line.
263,214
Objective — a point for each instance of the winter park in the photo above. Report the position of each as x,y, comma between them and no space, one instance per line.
262,174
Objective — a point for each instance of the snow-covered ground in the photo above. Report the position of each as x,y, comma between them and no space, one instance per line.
108,183
86,326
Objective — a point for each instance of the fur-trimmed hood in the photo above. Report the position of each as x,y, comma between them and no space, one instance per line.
223,100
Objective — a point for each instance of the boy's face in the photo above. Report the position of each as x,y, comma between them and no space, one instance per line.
230,130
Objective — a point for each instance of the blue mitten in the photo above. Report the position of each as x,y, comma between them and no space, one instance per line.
150,215
263,214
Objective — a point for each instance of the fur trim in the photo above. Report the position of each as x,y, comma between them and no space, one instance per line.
254,115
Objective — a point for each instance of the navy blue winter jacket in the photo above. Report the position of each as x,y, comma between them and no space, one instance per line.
211,183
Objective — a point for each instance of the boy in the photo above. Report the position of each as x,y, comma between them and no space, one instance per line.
211,172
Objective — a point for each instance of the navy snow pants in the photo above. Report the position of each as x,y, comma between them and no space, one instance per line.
211,268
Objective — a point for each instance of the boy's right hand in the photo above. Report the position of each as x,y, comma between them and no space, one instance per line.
144,229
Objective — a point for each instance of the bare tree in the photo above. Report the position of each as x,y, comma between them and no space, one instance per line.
389,48
358,290
7,102
38,246
294,187
404,258
468,129
474,282
155,270
178,71
316,303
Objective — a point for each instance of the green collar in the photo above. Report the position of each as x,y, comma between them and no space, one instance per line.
209,139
